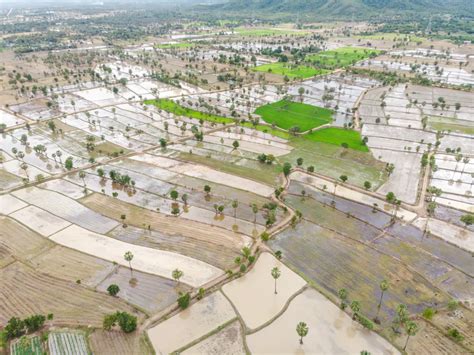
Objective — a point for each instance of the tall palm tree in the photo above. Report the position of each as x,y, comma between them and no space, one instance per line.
276,273
383,287
412,329
302,330
128,256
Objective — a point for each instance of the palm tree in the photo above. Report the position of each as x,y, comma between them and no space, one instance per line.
177,274
276,274
355,307
128,256
412,329
82,175
24,167
255,211
235,204
343,296
383,287
302,330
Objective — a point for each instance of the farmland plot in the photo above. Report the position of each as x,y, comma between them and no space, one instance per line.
66,208
229,341
118,342
148,292
157,262
10,120
258,308
71,265
26,291
100,96
331,331
10,204
32,347
335,262
194,322
63,187
20,243
39,220
67,343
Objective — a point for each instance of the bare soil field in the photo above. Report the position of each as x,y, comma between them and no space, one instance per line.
198,234
148,292
26,291
70,265
117,342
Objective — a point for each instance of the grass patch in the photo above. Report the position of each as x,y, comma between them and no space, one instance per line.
450,124
287,114
391,36
267,129
292,71
178,110
175,45
333,161
338,136
341,57
259,32
268,174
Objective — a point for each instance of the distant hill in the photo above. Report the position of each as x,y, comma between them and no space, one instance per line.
349,7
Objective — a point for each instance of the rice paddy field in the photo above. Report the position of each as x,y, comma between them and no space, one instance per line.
291,71
340,57
287,114
185,168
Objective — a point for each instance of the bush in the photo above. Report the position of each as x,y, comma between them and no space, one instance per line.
455,334
34,322
14,328
366,322
126,321
183,300
428,313
265,236
113,289
452,305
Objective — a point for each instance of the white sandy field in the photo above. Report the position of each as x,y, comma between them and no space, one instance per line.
9,204
153,261
331,331
253,294
39,220
191,324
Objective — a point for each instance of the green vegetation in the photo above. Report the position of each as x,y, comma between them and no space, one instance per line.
287,114
334,160
267,129
175,45
341,57
339,137
260,32
291,70
27,346
177,109
126,321
450,124
391,36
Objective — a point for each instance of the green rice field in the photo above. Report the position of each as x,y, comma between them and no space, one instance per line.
178,110
292,71
338,136
341,57
287,114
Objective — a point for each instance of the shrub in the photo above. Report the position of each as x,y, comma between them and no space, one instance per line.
113,289
126,321
183,300
428,313
452,305
366,322
34,322
455,334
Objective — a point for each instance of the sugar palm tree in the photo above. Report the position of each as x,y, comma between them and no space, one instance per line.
276,273
128,256
302,330
412,329
177,274
383,287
